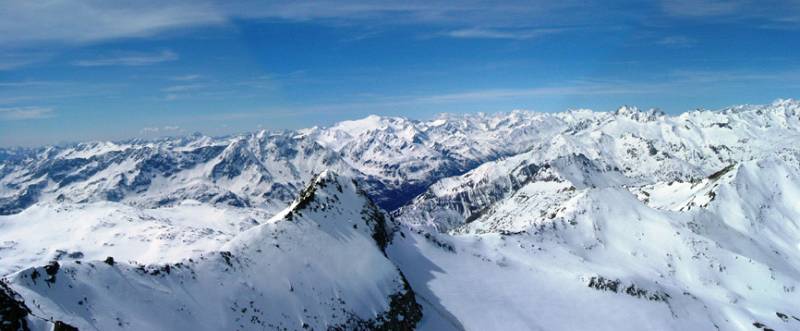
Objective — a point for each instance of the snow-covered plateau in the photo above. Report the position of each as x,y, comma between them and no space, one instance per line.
579,220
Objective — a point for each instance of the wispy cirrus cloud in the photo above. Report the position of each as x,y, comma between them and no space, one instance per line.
28,83
667,82
26,113
490,33
765,13
186,78
676,41
598,88
12,60
576,88
210,88
130,59
183,88
736,76
702,8
175,92
54,92
161,129
87,21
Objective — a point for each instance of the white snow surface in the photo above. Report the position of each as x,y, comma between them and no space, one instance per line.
581,220
315,265
726,266
93,231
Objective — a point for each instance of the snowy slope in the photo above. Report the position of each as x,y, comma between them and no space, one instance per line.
624,220
456,201
52,232
319,264
626,148
607,261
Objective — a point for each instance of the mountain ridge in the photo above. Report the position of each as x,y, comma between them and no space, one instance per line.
395,159
577,220
287,272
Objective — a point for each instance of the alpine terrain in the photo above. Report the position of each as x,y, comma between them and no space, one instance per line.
580,220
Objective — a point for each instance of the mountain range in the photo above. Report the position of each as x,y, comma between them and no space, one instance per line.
624,220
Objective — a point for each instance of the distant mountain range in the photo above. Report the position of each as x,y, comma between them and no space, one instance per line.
624,220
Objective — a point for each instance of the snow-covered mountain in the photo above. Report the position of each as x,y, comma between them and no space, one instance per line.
52,232
393,158
624,148
407,156
630,219
319,264
262,169
606,260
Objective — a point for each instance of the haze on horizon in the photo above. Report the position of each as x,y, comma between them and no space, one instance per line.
84,70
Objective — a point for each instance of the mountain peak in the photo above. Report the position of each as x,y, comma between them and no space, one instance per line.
318,265
790,102
627,110
637,114
357,127
331,197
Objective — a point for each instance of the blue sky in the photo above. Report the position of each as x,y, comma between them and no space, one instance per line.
86,70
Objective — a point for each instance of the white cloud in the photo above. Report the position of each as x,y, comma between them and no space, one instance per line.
130,59
26,113
599,88
517,34
87,21
164,129
215,89
176,92
186,78
12,60
81,21
183,88
676,41
765,13
740,76
702,8
27,83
